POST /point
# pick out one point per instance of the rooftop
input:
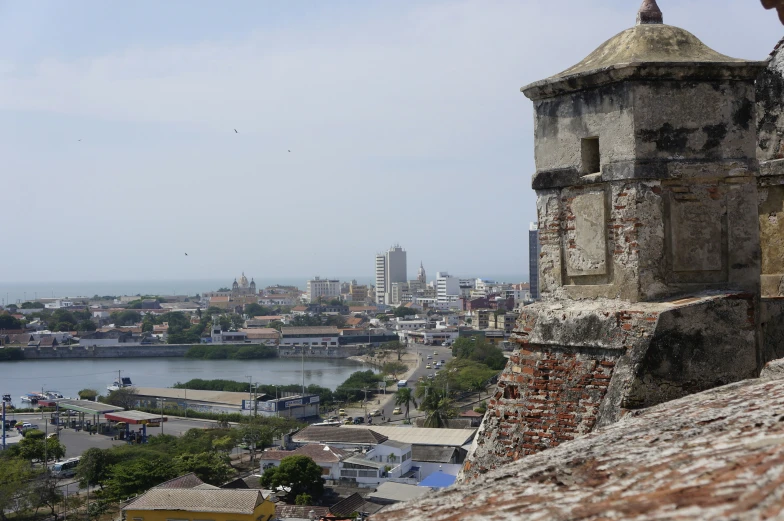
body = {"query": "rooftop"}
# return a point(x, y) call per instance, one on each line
point(309, 330)
point(714, 455)
point(419, 436)
point(396, 492)
point(318, 452)
point(339, 435)
point(228, 501)
point(225, 397)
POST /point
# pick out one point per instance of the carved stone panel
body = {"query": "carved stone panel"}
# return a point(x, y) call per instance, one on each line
point(586, 242)
point(696, 240)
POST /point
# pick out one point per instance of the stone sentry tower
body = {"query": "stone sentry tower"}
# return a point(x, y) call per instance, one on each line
point(649, 272)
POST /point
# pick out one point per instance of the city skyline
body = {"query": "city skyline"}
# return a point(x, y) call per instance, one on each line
point(118, 122)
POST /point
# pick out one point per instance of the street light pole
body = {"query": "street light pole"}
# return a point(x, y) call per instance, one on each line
point(161, 400)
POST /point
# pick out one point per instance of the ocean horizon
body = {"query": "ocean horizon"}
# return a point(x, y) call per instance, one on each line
point(16, 292)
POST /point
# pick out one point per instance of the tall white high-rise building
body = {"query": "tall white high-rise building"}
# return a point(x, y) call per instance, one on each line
point(447, 287)
point(390, 267)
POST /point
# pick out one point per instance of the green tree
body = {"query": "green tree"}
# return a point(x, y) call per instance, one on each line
point(209, 467)
point(15, 477)
point(93, 467)
point(147, 326)
point(256, 436)
point(126, 318)
point(352, 388)
point(394, 368)
point(257, 310)
point(237, 321)
point(46, 493)
point(124, 397)
point(86, 325)
point(403, 311)
point(479, 350)
point(303, 499)
point(9, 322)
point(299, 474)
point(404, 397)
point(32, 305)
point(134, 476)
point(35, 448)
point(88, 394)
point(276, 324)
point(395, 346)
point(437, 406)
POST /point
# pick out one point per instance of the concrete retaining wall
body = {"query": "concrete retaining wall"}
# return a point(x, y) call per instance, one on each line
point(78, 352)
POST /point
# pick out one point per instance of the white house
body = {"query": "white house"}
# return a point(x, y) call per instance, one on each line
point(385, 461)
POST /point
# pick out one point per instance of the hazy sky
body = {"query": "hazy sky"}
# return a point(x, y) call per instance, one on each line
point(404, 120)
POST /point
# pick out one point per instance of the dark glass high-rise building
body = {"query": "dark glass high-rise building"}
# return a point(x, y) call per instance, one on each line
point(533, 259)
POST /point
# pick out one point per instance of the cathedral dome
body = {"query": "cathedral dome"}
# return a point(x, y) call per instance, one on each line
point(243, 281)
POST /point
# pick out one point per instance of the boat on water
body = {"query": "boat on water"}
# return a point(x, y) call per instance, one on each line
point(53, 395)
point(32, 397)
point(121, 382)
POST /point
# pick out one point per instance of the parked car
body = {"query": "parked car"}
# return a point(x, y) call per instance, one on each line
point(443, 362)
point(358, 420)
point(435, 353)
point(342, 412)
point(348, 421)
point(429, 357)
point(397, 410)
point(428, 366)
point(333, 419)
point(376, 412)
point(446, 344)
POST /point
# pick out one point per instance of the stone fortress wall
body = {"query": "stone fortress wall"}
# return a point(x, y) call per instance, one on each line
point(660, 200)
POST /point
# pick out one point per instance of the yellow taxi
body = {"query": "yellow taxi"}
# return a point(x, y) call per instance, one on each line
point(427, 366)
point(342, 412)
point(397, 410)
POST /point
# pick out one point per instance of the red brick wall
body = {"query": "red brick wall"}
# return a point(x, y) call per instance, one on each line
point(544, 397)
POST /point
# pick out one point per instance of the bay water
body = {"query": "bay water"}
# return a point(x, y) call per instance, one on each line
point(70, 376)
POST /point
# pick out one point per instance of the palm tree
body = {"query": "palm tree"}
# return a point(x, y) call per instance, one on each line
point(404, 398)
point(438, 407)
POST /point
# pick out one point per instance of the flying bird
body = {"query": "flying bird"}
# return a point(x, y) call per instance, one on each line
point(289, 150)
point(235, 131)
point(80, 140)
point(186, 254)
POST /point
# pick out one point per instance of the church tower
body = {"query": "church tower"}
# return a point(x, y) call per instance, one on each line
point(421, 275)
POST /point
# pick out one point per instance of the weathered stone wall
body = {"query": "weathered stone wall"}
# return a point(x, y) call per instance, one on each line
point(671, 210)
point(583, 365)
point(770, 152)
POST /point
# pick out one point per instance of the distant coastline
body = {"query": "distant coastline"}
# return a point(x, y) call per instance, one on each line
point(12, 292)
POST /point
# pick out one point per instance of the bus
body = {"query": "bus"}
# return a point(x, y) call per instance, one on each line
point(65, 469)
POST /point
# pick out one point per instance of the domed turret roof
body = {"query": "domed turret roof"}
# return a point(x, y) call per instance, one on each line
point(649, 43)
point(244, 280)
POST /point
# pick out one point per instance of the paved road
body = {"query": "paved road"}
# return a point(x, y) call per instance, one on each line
point(387, 401)
point(76, 442)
